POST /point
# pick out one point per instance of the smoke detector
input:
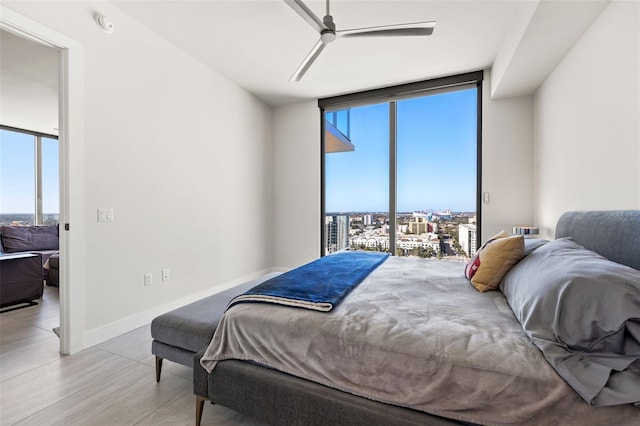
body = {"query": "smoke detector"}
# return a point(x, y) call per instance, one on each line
point(105, 23)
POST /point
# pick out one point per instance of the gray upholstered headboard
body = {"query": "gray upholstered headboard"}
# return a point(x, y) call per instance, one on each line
point(614, 234)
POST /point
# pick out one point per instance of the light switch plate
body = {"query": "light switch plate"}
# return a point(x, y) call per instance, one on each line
point(105, 215)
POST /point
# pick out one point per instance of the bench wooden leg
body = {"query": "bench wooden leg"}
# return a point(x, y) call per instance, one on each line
point(158, 368)
point(200, 400)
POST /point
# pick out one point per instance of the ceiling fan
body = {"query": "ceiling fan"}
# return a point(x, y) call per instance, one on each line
point(328, 33)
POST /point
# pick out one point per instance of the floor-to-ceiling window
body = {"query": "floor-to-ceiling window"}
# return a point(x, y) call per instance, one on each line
point(29, 178)
point(357, 180)
point(403, 175)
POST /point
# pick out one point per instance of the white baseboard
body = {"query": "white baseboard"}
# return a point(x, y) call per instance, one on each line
point(109, 331)
point(280, 269)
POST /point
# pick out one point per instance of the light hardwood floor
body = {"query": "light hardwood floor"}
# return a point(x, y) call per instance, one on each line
point(110, 384)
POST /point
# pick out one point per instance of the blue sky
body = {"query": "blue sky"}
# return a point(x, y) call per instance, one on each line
point(436, 157)
point(436, 160)
point(17, 174)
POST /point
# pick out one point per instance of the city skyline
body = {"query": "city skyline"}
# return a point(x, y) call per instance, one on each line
point(450, 235)
point(407, 212)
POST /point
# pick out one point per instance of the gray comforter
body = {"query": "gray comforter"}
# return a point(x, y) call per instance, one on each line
point(416, 334)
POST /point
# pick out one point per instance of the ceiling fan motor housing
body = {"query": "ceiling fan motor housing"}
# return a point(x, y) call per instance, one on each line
point(329, 34)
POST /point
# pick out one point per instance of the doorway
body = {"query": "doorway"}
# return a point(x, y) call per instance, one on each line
point(71, 176)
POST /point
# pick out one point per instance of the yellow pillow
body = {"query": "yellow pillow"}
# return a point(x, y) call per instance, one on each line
point(474, 264)
point(493, 261)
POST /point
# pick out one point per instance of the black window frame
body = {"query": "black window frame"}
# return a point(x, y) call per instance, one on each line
point(391, 95)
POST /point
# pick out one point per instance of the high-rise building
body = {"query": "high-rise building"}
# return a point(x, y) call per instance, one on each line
point(467, 238)
point(337, 232)
point(367, 219)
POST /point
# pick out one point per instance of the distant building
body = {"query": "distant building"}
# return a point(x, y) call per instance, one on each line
point(467, 238)
point(409, 243)
point(373, 242)
point(421, 225)
point(367, 219)
point(337, 232)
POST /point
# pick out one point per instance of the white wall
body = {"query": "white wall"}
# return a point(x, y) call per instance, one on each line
point(507, 162)
point(296, 183)
point(507, 174)
point(586, 132)
point(181, 154)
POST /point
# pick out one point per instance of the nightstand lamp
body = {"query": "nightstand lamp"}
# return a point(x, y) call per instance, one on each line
point(527, 231)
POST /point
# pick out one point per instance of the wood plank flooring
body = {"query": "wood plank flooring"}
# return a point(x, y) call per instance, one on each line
point(111, 384)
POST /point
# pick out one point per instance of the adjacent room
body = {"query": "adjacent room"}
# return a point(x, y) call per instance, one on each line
point(160, 159)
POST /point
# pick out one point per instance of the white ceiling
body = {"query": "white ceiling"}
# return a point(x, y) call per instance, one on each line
point(260, 43)
point(28, 84)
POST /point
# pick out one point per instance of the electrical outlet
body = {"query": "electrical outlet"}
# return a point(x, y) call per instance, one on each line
point(148, 279)
point(165, 275)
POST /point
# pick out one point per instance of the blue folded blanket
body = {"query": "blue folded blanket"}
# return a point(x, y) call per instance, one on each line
point(319, 285)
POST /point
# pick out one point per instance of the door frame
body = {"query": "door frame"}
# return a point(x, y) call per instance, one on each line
point(70, 137)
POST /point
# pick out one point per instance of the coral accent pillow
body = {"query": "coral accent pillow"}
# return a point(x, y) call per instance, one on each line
point(494, 259)
point(474, 264)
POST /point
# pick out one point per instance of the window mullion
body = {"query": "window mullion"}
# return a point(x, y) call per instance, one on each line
point(38, 180)
point(392, 177)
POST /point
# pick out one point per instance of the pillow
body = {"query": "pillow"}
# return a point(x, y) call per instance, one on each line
point(530, 244)
point(474, 263)
point(583, 312)
point(493, 260)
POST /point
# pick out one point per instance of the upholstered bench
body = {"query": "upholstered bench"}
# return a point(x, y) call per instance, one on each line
point(179, 334)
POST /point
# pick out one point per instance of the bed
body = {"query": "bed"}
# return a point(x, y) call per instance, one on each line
point(415, 343)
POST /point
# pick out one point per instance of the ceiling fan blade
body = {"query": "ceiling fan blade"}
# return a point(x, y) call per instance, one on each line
point(305, 13)
point(401, 30)
point(308, 60)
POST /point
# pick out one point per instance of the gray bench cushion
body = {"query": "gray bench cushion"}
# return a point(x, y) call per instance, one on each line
point(191, 327)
